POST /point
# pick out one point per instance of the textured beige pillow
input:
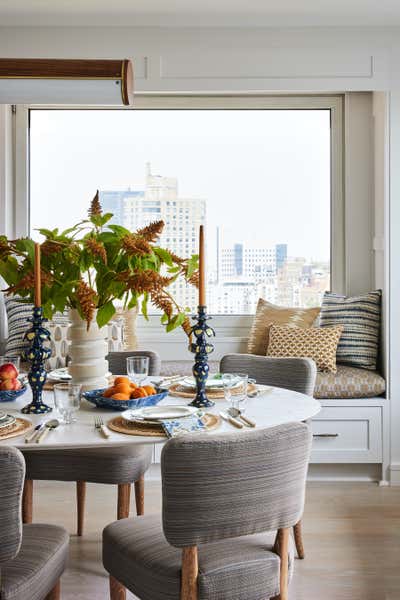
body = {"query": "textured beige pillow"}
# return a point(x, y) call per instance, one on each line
point(318, 343)
point(268, 313)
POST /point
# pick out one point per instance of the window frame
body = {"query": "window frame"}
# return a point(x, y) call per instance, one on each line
point(334, 103)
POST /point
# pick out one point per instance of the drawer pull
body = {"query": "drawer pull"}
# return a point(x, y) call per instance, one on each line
point(326, 435)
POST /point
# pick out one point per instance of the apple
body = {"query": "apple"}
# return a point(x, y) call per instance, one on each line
point(17, 384)
point(8, 371)
point(8, 384)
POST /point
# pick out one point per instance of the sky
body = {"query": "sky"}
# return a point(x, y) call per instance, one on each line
point(265, 174)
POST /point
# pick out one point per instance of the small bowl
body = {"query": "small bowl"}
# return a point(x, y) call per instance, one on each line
point(11, 395)
point(96, 397)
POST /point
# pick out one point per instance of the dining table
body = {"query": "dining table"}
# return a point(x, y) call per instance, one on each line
point(269, 407)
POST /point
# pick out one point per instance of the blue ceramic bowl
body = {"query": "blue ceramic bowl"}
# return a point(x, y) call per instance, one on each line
point(10, 395)
point(96, 398)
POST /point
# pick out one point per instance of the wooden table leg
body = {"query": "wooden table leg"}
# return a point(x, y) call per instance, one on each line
point(124, 500)
point(80, 504)
point(27, 501)
point(117, 590)
point(55, 593)
point(139, 495)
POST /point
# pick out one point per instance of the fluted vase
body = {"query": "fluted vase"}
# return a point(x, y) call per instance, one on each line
point(87, 351)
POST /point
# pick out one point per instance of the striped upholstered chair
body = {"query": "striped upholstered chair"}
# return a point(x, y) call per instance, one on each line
point(117, 466)
point(296, 374)
point(32, 557)
point(222, 494)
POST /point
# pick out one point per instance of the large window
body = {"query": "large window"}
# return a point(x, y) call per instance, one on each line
point(259, 179)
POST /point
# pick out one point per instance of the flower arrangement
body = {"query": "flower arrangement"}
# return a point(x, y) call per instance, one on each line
point(95, 264)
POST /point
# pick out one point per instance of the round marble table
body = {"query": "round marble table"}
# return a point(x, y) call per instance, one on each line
point(273, 406)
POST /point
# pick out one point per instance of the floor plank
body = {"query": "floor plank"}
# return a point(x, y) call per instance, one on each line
point(351, 536)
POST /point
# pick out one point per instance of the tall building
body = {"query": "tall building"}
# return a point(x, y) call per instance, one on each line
point(254, 264)
point(159, 200)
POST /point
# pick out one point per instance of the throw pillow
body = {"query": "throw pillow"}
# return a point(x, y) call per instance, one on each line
point(18, 313)
point(318, 343)
point(360, 317)
point(268, 313)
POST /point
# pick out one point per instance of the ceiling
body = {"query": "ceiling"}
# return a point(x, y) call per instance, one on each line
point(269, 13)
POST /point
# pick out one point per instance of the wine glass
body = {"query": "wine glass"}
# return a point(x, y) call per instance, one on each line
point(137, 368)
point(67, 399)
point(235, 389)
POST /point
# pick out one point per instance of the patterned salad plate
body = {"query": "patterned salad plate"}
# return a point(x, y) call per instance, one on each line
point(157, 413)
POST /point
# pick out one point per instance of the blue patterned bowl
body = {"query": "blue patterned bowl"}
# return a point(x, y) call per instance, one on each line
point(96, 398)
point(10, 395)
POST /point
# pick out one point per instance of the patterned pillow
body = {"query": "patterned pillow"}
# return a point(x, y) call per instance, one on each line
point(361, 319)
point(18, 313)
point(268, 313)
point(314, 342)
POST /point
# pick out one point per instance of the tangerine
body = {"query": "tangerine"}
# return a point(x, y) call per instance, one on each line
point(108, 392)
point(121, 379)
point(123, 388)
point(120, 396)
point(149, 389)
point(139, 393)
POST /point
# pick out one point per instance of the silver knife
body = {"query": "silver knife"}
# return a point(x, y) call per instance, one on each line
point(231, 420)
point(34, 433)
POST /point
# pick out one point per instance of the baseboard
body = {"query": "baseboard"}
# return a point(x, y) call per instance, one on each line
point(394, 471)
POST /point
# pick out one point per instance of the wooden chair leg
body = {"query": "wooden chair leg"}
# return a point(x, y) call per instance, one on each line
point(298, 540)
point(117, 590)
point(124, 500)
point(80, 504)
point(55, 593)
point(139, 495)
point(283, 551)
point(190, 570)
point(27, 501)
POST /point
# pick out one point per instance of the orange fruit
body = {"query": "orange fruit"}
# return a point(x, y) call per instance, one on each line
point(122, 388)
point(120, 396)
point(108, 392)
point(133, 385)
point(149, 389)
point(121, 379)
point(139, 393)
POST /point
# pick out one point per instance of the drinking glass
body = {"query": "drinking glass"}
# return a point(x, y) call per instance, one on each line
point(137, 368)
point(235, 389)
point(14, 360)
point(67, 399)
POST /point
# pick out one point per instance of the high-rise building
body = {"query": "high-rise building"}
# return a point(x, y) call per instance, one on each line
point(255, 264)
point(159, 200)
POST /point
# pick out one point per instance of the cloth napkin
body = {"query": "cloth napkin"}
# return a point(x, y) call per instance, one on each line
point(175, 427)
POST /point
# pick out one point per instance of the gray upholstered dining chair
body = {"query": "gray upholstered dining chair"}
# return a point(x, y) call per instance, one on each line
point(296, 374)
point(222, 495)
point(117, 466)
point(32, 557)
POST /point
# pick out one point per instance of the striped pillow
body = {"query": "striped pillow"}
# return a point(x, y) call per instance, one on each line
point(361, 319)
point(18, 313)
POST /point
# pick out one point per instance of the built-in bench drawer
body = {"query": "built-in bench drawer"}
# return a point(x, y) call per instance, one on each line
point(347, 435)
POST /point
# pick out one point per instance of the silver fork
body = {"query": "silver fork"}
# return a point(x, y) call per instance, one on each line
point(101, 428)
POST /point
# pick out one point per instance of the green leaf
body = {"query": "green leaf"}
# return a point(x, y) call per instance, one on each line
point(119, 230)
point(164, 318)
point(144, 306)
point(192, 264)
point(175, 322)
point(26, 246)
point(164, 255)
point(105, 313)
point(9, 270)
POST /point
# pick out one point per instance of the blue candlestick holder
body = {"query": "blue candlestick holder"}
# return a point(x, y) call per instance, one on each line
point(201, 348)
point(37, 355)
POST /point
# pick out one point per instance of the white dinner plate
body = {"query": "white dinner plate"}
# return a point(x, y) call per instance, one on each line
point(212, 382)
point(155, 413)
point(63, 375)
point(9, 420)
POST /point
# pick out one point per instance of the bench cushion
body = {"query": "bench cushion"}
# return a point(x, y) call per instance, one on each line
point(349, 382)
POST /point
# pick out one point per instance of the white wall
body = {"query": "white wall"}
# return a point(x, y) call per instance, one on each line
point(274, 60)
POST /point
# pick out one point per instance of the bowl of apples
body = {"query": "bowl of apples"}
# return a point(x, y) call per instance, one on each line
point(124, 394)
point(10, 386)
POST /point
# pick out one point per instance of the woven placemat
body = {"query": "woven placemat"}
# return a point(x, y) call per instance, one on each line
point(20, 427)
point(150, 429)
point(181, 391)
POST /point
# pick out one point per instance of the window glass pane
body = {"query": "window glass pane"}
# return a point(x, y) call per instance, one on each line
point(258, 179)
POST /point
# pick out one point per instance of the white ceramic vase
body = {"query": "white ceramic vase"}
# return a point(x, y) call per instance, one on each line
point(87, 350)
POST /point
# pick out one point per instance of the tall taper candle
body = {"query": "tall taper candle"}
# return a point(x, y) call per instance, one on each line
point(202, 269)
point(38, 282)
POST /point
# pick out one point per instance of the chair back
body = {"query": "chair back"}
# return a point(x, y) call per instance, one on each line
point(12, 474)
point(227, 485)
point(296, 374)
point(117, 361)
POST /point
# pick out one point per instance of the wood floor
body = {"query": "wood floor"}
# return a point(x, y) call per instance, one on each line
point(351, 535)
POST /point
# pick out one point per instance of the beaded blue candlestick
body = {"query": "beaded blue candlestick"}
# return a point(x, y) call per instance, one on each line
point(37, 353)
point(201, 348)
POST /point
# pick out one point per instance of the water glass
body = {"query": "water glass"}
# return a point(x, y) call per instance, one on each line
point(14, 360)
point(235, 389)
point(67, 399)
point(137, 368)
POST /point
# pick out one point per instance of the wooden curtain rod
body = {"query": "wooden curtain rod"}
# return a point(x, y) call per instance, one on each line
point(54, 68)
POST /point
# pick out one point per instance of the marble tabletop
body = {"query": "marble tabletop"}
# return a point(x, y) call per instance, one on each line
point(273, 406)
